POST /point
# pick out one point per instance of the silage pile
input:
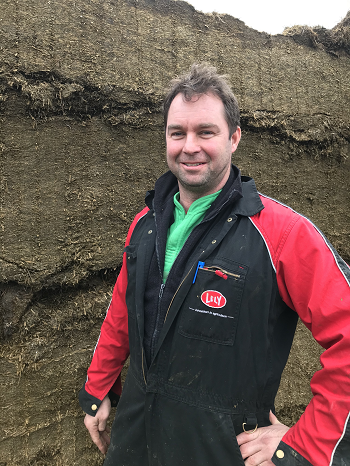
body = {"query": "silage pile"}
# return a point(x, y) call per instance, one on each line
point(81, 140)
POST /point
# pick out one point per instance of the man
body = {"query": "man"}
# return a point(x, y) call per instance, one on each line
point(214, 277)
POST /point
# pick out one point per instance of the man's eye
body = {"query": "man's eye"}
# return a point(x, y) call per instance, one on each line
point(177, 134)
point(206, 133)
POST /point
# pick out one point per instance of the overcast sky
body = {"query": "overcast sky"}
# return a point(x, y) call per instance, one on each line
point(273, 16)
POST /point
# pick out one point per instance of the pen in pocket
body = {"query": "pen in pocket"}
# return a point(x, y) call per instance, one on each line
point(200, 265)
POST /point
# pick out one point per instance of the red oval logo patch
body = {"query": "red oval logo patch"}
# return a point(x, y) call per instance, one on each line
point(213, 298)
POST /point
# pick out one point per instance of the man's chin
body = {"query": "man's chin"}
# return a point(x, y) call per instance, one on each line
point(199, 186)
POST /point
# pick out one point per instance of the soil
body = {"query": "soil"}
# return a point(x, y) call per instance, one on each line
point(81, 141)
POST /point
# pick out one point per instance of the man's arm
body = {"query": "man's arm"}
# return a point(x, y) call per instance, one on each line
point(103, 385)
point(111, 351)
point(314, 281)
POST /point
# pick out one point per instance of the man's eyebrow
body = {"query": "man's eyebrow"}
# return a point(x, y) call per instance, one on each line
point(171, 127)
point(208, 125)
point(200, 126)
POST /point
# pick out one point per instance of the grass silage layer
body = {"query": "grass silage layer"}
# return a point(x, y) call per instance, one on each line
point(81, 140)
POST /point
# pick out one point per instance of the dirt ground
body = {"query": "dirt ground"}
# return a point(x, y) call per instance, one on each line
point(81, 141)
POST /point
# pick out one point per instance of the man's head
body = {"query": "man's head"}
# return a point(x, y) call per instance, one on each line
point(200, 140)
point(204, 79)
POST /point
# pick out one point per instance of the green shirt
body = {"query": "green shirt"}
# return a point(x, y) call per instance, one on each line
point(183, 225)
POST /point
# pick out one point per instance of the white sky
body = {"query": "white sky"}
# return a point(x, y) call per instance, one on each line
point(272, 16)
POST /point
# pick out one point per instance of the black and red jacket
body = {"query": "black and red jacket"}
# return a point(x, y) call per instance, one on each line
point(209, 356)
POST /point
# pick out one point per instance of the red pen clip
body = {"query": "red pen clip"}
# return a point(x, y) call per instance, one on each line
point(221, 274)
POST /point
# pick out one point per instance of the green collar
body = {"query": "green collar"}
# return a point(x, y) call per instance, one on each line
point(183, 225)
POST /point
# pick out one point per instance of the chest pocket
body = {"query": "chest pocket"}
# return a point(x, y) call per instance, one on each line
point(211, 310)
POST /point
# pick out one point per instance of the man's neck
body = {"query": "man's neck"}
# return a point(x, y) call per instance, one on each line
point(186, 198)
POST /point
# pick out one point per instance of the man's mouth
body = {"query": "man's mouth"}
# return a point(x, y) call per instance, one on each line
point(193, 164)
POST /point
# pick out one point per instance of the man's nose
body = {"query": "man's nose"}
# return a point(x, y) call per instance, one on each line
point(191, 145)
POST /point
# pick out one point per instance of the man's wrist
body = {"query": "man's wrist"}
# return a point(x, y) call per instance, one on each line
point(287, 456)
point(89, 403)
point(114, 398)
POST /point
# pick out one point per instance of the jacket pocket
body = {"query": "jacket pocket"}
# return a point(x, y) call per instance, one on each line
point(131, 251)
point(211, 309)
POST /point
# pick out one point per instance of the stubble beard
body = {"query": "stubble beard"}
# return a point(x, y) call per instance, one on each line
point(197, 187)
point(204, 185)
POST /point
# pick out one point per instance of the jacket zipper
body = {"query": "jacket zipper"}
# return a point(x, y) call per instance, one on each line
point(143, 367)
point(160, 294)
point(172, 299)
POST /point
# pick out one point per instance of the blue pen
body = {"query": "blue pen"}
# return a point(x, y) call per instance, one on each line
point(200, 265)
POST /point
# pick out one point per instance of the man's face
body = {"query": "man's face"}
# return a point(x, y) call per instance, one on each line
point(198, 145)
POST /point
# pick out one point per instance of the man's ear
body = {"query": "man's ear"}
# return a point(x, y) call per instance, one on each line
point(235, 138)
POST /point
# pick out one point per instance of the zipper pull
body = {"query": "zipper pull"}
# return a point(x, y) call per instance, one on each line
point(200, 265)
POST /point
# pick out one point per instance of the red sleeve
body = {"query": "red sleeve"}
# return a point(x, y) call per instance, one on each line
point(112, 348)
point(314, 281)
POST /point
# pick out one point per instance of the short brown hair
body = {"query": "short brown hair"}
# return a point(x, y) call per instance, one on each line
point(204, 79)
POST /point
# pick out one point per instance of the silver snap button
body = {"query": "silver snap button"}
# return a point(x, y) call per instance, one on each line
point(150, 231)
point(214, 241)
point(229, 219)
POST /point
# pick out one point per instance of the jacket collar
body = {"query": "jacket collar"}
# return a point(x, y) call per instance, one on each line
point(250, 203)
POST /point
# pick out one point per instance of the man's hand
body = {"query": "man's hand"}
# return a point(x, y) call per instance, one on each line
point(258, 448)
point(97, 425)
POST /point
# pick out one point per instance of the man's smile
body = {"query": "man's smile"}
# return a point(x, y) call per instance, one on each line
point(193, 164)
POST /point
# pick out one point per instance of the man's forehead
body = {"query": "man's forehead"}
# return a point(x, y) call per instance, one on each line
point(210, 104)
